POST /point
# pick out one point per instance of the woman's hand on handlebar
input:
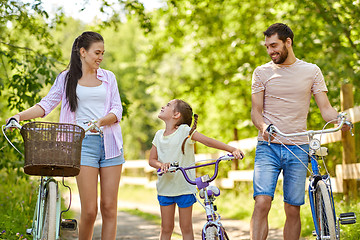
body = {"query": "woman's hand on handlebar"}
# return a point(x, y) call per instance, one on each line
point(16, 117)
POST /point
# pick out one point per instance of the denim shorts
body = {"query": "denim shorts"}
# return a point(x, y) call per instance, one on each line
point(183, 201)
point(270, 160)
point(93, 153)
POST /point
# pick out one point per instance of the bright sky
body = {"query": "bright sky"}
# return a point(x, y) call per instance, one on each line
point(72, 8)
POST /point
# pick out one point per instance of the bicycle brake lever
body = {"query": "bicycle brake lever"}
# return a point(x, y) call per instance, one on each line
point(351, 125)
point(270, 130)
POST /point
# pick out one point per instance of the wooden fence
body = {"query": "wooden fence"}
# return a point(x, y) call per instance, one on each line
point(147, 176)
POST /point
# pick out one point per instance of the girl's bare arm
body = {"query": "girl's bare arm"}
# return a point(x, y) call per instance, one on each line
point(210, 142)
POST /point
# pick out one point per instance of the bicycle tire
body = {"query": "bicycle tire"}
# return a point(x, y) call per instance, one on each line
point(49, 213)
point(224, 235)
point(324, 212)
point(211, 233)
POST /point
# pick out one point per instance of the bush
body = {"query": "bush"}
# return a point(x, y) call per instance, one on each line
point(17, 203)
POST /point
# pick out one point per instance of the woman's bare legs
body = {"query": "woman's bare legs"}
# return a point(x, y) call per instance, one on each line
point(109, 184)
point(87, 182)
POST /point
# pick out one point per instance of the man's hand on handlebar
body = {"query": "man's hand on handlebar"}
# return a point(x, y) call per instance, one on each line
point(347, 123)
point(268, 134)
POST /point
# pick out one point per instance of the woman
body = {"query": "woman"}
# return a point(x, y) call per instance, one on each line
point(88, 92)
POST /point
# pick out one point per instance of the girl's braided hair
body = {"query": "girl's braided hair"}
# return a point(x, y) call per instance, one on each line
point(186, 118)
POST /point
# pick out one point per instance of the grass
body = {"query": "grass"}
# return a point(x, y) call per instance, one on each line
point(18, 195)
point(17, 203)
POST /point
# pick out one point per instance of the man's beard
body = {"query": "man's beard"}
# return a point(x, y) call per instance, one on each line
point(282, 56)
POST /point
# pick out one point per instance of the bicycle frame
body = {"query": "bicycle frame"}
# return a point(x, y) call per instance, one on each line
point(209, 193)
point(316, 177)
point(313, 180)
point(38, 219)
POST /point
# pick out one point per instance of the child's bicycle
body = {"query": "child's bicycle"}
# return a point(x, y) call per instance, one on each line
point(320, 192)
point(213, 229)
point(51, 150)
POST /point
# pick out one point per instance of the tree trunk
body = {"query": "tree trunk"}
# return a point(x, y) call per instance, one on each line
point(348, 141)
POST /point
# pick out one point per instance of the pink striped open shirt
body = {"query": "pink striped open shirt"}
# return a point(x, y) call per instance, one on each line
point(113, 141)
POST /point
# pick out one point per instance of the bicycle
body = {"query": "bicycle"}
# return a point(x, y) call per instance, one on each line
point(320, 192)
point(213, 229)
point(51, 150)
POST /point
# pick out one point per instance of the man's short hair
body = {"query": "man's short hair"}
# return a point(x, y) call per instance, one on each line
point(282, 30)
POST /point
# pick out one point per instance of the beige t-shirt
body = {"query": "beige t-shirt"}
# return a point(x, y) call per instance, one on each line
point(287, 94)
point(168, 151)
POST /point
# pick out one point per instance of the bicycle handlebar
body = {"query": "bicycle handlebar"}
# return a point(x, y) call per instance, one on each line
point(12, 123)
point(92, 126)
point(175, 167)
point(273, 129)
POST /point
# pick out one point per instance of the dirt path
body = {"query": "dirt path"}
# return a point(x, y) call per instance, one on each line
point(134, 227)
point(137, 228)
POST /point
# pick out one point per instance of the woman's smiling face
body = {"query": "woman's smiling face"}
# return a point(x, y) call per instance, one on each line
point(94, 56)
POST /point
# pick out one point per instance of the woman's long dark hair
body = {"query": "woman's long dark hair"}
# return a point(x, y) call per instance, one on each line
point(75, 68)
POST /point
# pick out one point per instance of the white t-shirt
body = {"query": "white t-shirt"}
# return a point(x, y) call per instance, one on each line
point(91, 104)
point(168, 151)
point(287, 94)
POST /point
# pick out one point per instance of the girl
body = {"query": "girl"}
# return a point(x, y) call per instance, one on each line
point(176, 143)
point(88, 92)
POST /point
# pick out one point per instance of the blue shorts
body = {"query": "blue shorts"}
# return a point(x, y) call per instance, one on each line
point(93, 153)
point(183, 201)
point(270, 160)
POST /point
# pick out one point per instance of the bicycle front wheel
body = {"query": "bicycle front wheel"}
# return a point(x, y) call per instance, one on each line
point(211, 233)
point(49, 213)
point(324, 212)
point(224, 235)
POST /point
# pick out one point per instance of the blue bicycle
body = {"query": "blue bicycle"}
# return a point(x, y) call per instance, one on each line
point(327, 225)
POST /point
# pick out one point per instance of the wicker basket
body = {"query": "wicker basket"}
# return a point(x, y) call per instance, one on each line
point(52, 149)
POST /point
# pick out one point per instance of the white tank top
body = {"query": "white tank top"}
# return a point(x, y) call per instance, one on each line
point(91, 104)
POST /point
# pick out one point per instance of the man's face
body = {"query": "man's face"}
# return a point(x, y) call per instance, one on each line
point(276, 49)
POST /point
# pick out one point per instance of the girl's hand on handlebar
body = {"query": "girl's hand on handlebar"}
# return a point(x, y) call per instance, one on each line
point(238, 154)
point(164, 167)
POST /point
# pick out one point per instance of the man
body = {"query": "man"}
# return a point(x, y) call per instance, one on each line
point(281, 93)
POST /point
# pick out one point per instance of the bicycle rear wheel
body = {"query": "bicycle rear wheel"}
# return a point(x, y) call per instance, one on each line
point(49, 213)
point(324, 212)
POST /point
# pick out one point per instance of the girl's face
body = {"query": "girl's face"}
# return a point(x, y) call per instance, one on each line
point(93, 57)
point(168, 111)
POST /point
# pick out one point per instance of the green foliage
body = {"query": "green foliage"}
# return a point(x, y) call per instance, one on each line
point(201, 51)
point(205, 52)
point(17, 203)
point(27, 50)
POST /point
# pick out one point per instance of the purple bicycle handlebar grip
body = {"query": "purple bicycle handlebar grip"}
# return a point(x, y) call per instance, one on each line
point(159, 172)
